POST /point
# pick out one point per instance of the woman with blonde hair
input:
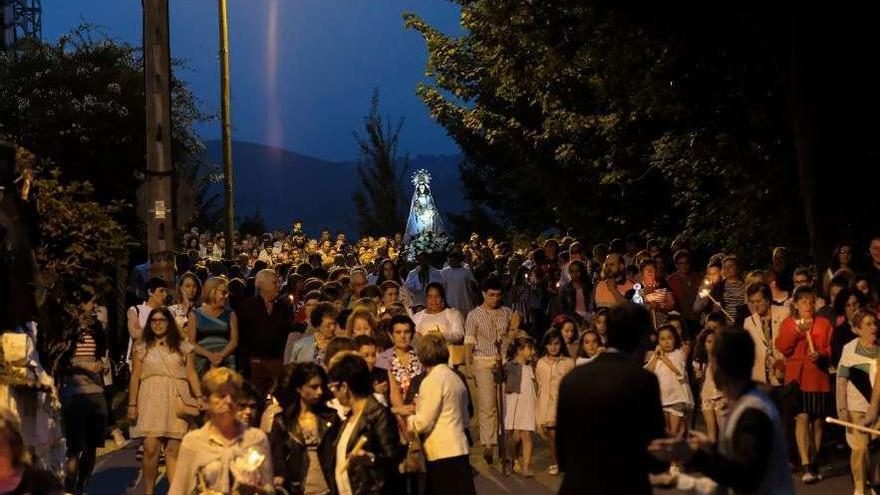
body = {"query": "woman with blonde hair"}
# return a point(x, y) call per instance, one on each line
point(214, 330)
point(360, 322)
point(224, 453)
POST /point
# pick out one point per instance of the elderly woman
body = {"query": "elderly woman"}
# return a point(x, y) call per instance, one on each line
point(214, 330)
point(440, 418)
point(401, 361)
point(223, 453)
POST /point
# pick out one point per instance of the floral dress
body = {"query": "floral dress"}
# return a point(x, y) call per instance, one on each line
point(404, 374)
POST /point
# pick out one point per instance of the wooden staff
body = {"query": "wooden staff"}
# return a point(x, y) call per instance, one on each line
point(863, 429)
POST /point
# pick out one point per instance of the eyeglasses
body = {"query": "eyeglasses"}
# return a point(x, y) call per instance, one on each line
point(154, 320)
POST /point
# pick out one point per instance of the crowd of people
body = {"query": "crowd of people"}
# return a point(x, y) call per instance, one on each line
point(317, 366)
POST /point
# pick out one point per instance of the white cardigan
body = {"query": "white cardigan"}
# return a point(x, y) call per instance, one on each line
point(441, 414)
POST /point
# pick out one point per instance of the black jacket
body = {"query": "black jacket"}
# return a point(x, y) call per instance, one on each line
point(381, 476)
point(609, 411)
point(289, 452)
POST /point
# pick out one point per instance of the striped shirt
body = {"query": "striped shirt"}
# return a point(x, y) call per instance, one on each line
point(85, 347)
point(734, 296)
point(484, 328)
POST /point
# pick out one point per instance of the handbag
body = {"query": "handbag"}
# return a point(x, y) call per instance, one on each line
point(415, 460)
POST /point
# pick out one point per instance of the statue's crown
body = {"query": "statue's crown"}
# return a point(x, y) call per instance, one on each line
point(421, 177)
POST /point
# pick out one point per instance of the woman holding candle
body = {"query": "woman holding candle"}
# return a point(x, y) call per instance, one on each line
point(805, 340)
point(224, 453)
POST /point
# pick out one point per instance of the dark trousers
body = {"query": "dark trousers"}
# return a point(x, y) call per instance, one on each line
point(264, 372)
point(451, 476)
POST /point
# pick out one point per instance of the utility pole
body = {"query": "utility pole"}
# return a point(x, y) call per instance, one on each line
point(160, 170)
point(227, 129)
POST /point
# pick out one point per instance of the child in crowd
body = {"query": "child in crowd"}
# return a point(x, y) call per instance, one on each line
point(590, 347)
point(668, 363)
point(567, 327)
point(553, 365)
point(519, 402)
point(598, 324)
point(712, 402)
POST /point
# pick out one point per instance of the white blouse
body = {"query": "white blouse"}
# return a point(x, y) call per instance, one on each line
point(449, 322)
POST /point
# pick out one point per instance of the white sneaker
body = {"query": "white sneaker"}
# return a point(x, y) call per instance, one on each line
point(809, 478)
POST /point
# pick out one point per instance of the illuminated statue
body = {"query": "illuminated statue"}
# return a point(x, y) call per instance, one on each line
point(423, 214)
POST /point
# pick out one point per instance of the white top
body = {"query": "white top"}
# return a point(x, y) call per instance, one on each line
point(856, 357)
point(458, 283)
point(442, 414)
point(343, 486)
point(449, 322)
point(764, 348)
point(674, 389)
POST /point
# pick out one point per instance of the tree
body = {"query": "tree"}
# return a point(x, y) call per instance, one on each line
point(379, 201)
point(253, 224)
point(79, 102)
point(629, 117)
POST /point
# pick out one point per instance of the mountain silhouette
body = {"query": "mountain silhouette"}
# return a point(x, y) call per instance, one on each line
point(283, 185)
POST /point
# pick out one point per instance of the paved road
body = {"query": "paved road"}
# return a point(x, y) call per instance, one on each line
point(117, 473)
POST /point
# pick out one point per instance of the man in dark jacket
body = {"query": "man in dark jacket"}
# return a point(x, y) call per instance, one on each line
point(609, 411)
point(264, 322)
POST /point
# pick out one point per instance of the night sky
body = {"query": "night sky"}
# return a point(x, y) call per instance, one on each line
point(303, 82)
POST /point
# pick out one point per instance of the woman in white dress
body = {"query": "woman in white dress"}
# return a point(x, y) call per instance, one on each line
point(160, 398)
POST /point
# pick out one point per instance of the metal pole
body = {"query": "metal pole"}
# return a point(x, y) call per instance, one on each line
point(227, 128)
point(160, 170)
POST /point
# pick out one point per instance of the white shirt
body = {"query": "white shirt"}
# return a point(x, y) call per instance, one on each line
point(850, 359)
point(343, 486)
point(763, 349)
point(449, 322)
point(674, 389)
point(441, 414)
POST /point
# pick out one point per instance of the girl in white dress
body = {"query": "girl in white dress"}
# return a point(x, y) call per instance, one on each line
point(668, 363)
point(520, 399)
point(553, 365)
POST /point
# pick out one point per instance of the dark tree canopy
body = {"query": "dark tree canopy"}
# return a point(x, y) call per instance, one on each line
point(79, 102)
point(610, 118)
point(379, 200)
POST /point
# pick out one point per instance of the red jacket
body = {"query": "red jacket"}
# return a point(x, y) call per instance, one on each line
point(811, 376)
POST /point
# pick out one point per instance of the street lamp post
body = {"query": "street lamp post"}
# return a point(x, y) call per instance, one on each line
point(226, 129)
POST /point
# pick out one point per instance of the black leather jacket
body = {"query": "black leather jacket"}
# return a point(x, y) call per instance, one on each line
point(380, 476)
point(290, 458)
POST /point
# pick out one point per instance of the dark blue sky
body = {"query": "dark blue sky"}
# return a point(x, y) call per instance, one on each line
point(306, 87)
